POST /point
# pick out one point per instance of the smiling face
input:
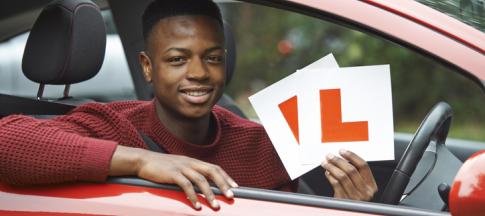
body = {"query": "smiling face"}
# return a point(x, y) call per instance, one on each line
point(184, 62)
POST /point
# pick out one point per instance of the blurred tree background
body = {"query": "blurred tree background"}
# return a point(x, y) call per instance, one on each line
point(273, 43)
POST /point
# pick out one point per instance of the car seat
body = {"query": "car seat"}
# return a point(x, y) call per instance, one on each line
point(65, 46)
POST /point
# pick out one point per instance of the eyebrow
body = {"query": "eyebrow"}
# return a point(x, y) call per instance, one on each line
point(177, 49)
point(214, 49)
point(187, 51)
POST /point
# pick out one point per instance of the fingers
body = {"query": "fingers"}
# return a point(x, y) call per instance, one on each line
point(187, 187)
point(221, 181)
point(229, 179)
point(203, 185)
point(361, 165)
point(200, 172)
point(339, 191)
point(187, 172)
point(220, 178)
point(354, 176)
point(343, 179)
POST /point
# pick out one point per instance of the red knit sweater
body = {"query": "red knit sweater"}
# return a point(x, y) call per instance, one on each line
point(80, 145)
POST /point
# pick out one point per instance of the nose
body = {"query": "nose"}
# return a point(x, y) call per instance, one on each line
point(197, 70)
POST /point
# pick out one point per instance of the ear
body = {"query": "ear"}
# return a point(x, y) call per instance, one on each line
point(146, 66)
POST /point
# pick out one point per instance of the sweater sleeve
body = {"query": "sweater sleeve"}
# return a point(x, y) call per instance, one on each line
point(78, 146)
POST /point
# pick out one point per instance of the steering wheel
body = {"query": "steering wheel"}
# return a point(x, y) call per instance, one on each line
point(434, 127)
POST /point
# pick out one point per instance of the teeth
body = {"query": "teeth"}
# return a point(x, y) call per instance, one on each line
point(196, 93)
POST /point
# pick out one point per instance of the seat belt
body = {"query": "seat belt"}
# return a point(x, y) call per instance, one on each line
point(152, 146)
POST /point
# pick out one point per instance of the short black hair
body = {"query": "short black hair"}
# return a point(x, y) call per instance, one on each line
point(160, 9)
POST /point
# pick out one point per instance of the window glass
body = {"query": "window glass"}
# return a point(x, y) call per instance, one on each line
point(272, 43)
point(113, 82)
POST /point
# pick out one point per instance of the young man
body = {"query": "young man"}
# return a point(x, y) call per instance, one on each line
point(184, 62)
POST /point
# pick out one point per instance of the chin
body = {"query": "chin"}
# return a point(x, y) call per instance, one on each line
point(197, 112)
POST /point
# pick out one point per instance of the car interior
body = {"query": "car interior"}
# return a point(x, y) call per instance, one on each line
point(76, 42)
point(418, 180)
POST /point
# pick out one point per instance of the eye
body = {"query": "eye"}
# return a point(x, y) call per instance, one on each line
point(177, 60)
point(215, 59)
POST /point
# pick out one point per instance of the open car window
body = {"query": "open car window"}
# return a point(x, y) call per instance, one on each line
point(273, 43)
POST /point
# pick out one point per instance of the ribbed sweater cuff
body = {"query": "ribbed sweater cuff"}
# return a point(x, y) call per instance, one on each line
point(97, 158)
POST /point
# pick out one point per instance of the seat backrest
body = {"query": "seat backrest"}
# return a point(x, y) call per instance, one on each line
point(65, 46)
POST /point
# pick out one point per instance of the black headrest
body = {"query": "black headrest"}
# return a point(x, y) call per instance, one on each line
point(66, 44)
point(230, 45)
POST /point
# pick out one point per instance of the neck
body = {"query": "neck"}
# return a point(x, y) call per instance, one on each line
point(192, 130)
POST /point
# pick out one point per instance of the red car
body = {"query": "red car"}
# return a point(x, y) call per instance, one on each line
point(274, 38)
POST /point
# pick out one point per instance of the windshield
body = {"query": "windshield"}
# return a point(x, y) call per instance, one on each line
point(471, 12)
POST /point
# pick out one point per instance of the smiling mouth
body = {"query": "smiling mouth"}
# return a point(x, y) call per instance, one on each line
point(197, 95)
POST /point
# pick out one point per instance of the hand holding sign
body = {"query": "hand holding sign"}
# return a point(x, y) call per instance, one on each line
point(350, 178)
